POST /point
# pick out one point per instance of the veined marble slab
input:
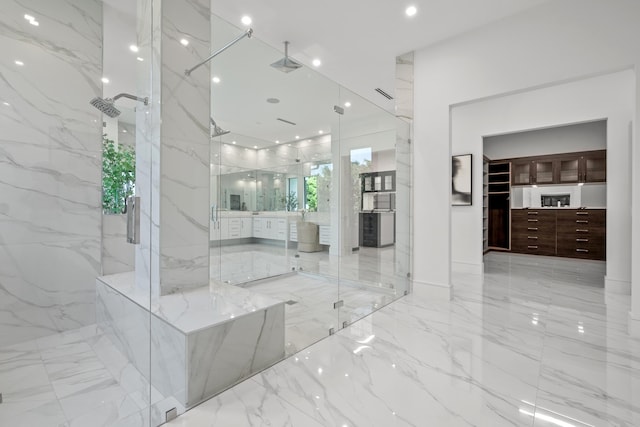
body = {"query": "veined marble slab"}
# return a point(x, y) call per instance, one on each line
point(202, 340)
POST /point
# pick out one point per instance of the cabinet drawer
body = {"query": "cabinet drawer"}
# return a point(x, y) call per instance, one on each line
point(532, 244)
point(533, 248)
point(593, 249)
point(581, 219)
point(525, 221)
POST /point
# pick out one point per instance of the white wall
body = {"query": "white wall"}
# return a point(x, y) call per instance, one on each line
point(553, 43)
point(609, 96)
point(555, 140)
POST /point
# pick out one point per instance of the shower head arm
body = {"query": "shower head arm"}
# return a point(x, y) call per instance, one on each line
point(247, 33)
point(135, 98)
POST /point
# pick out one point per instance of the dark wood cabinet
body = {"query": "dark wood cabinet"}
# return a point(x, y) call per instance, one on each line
point(594, 166)
point(582, 233)
point(574, 233)
point(569, 168)
point(533, 231)
point(521, 172)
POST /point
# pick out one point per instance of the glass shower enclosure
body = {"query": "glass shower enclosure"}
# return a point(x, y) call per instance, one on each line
point(242, 242)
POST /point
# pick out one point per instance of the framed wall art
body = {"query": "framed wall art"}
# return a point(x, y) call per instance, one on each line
point(461, 190)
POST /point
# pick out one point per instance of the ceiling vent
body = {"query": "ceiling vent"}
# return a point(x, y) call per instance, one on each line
point(383, 93)
point(286, 121)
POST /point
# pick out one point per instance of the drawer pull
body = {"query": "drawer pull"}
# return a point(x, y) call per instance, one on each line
point(582, 250)
point(532, 220)
point(582, 240)
point(582, 213)
point(532, 213)
point(532, 237)
point(582, 221)
point(532, 228)
point(532, 247)
point(582, 230)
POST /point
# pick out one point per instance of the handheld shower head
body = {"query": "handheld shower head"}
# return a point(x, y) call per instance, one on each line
point(106, 104)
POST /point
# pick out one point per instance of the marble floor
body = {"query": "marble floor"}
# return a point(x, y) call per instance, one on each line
point(376, 267)
point(79, 378)
point(534, 342)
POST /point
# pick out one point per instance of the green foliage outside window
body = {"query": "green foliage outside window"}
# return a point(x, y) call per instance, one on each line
point(311, 193)
point(118, 175)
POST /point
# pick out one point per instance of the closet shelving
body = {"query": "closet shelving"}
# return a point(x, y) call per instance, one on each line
point(499, 205)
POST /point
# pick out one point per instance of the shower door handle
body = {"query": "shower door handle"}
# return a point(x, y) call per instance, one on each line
point(133, 220)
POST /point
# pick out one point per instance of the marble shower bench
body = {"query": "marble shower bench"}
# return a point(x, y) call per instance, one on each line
point(202, 340)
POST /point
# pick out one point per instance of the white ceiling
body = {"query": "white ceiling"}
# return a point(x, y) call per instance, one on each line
point(357, 41)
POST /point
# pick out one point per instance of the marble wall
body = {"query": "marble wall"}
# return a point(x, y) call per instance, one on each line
point(50, 166)
point(174, 168)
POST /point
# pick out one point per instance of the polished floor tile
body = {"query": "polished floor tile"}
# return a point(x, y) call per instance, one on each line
point(536, 341)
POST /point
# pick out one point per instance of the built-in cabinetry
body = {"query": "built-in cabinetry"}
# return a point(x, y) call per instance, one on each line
point(567, 168)
point(574, 233)
point(533, 231)
point(485, 205)
point(270, 228)
point(324, 233)
point(499, 208)
point(581, 233)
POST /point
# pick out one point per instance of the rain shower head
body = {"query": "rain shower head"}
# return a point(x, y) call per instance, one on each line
point(286, 64)
point(217, 130)
point(106, 104)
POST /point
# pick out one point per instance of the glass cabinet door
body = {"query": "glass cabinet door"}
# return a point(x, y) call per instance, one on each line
point(521, 172)
point(568, 171)
point(543, 172)
point(595, 167)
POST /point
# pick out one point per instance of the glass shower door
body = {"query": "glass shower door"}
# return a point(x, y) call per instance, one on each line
point(65, 171)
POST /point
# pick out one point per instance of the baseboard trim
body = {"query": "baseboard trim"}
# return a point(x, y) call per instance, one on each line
point(436, 291)
point(622, 287)
point(465, 267)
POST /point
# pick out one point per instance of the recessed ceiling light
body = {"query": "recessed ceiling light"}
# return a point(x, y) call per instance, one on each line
point(347, 104)
point(255, 146)
point(124, 131)
point(297, 136)
point(140, 59)
point(31, 20)
point(246, 20)
point(18, 62)
point(105, 80)
point(320, 132)
point(233, 142)
point(216, 79)
point(411, 10)
point(133, 48)
point(316, 62)
point(184, 42)
point(6, 103)
point(277, 142)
